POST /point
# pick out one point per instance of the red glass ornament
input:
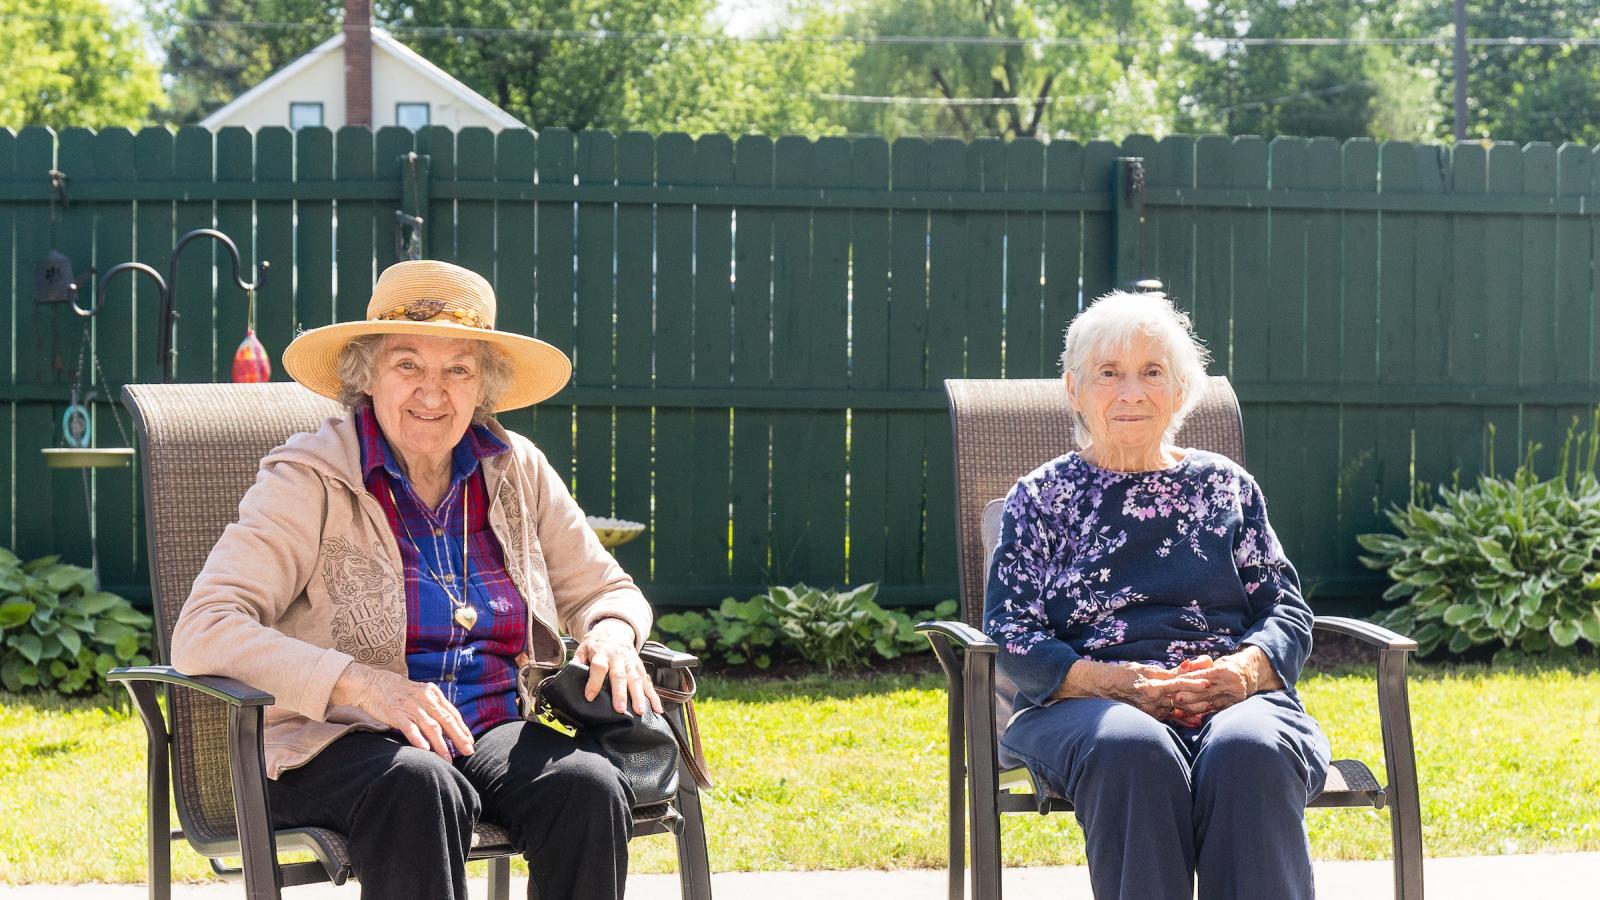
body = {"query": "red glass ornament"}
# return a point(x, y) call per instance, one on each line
point(250, 362)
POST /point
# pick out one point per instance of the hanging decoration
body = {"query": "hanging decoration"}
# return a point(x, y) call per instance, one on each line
point(77, 425)
point(251, 365)
point(52, 276)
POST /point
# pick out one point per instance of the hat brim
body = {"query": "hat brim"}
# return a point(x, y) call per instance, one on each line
point(538, 369)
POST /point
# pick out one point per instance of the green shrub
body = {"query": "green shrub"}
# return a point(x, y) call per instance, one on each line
point(822, 627)
point(1514, 561)
point(60, 632)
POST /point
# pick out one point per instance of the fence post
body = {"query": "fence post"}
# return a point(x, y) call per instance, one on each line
point(1127, 222)
point(410, 227)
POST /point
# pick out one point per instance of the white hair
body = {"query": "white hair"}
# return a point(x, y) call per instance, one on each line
point(358, 363)
point(1109, 324)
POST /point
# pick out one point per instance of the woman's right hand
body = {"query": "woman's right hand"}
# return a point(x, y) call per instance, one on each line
point(419, 711)
point(1151, 689)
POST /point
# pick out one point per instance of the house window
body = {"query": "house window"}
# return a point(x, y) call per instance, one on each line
point(305, 115)
point(411, 115)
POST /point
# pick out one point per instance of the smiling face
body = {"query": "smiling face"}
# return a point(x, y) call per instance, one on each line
point(1127, 398)
point(424, 391)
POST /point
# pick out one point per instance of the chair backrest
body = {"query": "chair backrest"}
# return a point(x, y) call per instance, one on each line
point(200, 446)
point(1006, 428)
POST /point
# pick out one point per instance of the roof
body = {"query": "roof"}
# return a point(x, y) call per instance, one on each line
point(381, 40)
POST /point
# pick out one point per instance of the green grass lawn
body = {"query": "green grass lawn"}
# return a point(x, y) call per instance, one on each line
point(845, 772)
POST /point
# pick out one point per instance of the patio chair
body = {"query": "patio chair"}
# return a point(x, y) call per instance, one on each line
point(201, 445)
point(1005, 429)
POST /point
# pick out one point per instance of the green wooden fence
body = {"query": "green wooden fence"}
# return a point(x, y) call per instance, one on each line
point(760, 327)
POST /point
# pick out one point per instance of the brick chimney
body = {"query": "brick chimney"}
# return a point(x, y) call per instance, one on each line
point(358, 62)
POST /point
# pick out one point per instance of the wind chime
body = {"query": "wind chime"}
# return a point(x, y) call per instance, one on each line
point(251, 365)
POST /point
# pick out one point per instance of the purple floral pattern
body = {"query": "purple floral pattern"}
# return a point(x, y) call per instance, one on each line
point(1153, 567)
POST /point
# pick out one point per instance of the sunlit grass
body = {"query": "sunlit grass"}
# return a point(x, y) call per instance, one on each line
point(849, 772)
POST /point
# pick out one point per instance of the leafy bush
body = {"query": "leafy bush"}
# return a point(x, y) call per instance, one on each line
point(1511, 561)
point(822, 627)
point(60, 631)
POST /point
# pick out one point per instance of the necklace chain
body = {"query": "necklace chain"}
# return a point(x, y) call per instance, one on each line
point(465, 614)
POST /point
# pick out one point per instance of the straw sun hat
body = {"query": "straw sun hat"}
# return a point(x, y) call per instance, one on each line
point(436, 299)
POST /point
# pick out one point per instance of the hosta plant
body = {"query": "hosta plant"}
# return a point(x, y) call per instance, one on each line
point(59, 632)
point(822, 627)
point(1514, 562)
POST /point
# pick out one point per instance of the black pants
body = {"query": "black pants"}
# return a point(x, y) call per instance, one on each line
point(408, 814)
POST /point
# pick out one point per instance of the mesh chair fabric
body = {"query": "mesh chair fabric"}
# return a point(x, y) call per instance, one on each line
point(201, 446)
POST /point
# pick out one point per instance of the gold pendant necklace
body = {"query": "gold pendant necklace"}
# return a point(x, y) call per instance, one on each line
point(464, 614)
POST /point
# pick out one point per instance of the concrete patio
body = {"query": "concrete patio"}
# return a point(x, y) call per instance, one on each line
point(1557, 876)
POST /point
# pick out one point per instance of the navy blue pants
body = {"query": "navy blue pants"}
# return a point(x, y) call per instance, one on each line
point(1160, 805)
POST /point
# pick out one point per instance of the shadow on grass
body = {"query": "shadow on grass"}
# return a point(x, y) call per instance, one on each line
point(46, 701)
point(816, 686)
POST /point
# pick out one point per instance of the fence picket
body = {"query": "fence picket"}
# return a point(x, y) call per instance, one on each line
point(555, 290)
point(749, 499)
point(594, 356)
point(636, 297)
point(710, 543)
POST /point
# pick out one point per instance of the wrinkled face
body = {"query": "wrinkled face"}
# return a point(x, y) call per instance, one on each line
point(424, 390)
point(1128, 396)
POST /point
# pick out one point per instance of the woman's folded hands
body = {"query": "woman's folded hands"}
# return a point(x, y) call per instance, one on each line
point(1185, 694)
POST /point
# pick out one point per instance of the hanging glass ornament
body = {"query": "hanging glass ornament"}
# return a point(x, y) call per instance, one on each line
point(251, 365)
point(75, 428)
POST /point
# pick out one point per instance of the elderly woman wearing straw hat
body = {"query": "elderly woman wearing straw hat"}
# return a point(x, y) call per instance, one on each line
point(387, 577)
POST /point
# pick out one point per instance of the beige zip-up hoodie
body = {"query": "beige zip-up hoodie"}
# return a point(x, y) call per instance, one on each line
point(309, 581)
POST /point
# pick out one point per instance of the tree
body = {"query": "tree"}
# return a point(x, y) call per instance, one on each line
point(659, 64)
point(74, 62)
point(1338, 91)
point(1532, 92)
point(774, 85)
point(1068, 68)
point(218, 49)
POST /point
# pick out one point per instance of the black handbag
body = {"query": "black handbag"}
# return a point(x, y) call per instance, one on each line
point(645, 749)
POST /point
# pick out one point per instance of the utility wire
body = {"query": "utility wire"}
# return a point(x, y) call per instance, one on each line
point(874, 39)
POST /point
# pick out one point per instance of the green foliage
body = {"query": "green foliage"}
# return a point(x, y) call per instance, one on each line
point(738, 87)
point(74, 63)
point(215, 52)
point(1511, 561)
point(59, 631)
point(822, 627)
point(1122, 80)
point(537, 59)
point(1532, 92)
point(1341, 91)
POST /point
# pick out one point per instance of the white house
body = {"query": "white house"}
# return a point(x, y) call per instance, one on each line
point(378, 82)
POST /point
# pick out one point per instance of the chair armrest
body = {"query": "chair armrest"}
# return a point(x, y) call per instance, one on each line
point(233, 692)
point(960, 634)
point(1366, 632)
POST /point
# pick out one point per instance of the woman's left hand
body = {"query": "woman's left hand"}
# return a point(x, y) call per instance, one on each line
point(1233, 678)
point(609, 652)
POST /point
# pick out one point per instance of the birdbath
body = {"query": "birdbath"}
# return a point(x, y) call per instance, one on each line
point(614, 532)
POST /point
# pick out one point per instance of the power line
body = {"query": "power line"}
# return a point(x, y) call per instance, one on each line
point(945, 101)
point(599, 35)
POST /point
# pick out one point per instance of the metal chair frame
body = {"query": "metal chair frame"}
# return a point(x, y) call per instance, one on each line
point(242, 707)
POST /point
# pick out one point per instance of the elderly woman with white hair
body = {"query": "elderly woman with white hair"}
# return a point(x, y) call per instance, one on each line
point(1154, 629)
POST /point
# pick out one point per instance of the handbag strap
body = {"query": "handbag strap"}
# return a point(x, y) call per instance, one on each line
point(689, 749)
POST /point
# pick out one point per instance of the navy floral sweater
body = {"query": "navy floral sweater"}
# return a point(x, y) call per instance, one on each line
point(1153, 567)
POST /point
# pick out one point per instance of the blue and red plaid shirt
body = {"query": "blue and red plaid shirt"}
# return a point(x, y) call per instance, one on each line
point(476, 670)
